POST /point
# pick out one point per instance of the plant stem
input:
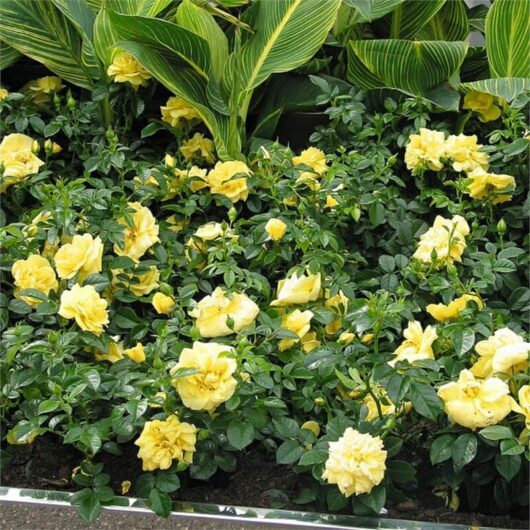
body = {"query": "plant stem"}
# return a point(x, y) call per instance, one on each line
point(462, 120)
point(106, 111)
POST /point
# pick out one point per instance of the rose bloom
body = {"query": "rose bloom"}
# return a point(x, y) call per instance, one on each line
point(126, 69)
point(198, 147)
point(313, 158)
point(113, 354)
point(213, 311)
point(309, 341)
point(418, 344)
point(425, 150)
point(452, 310)
point(213, 384)
point(83, 255)
point(339, 305)
point(275, 228)
point(465, 153)
point(208, 232)
point(356, 463)
point(331, 202)
point(138, 284)
point(3, 94)
point(163, 304)
point(136, 353)
point(297, 290)
point(39, 90)
point(176, 225)
point(161, 442)
point(483, 104)
point(141, 236)
point(473, 403)
point(504, 352)
point(483, 183)
point(387, 407)
point(298, 322)
point(86, 306)
point(178, 112)
point(523, 407)
point(447, 237)
point(346, 337)
point(17, 158)
point(220, 180)
point(35, 272)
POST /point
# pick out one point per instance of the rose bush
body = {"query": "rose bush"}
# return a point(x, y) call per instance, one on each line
point(366, 297)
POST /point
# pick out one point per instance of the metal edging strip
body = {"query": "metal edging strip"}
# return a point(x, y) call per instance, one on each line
point(233, 514)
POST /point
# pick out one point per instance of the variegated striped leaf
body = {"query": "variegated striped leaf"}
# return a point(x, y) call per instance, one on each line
point(373, 9)
point(507, 88)
point(507, 34)
point(40, 31)
point(145, 8)
point(449, 24)
point(8, 55)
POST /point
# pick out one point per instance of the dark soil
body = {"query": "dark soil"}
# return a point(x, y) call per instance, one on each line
point(258, 481)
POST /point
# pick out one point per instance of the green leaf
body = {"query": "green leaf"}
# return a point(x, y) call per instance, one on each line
point(425, 400)
point(511, 447)
point(507, 26)
point(411, 16)
point(373, 9)
point(496, 432)
point(449, 24)
point(316, 456)
point(47, 406)
point(414, 67)
point(8, 55)
point(464, 450)
point(400, 471)
point(508, 465)
point(167, 481)
point(441, 449)
point(289, 452)
point(40, 31)
point(375, 500)
point(144, 485)
point(160, 503)
point(507, 88)
point(240, 434)
point(89, 508)
point(463, 340)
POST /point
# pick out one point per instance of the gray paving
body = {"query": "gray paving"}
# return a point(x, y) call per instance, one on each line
point(20, 517)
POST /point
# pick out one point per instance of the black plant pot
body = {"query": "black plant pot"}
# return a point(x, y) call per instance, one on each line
point(295, 128)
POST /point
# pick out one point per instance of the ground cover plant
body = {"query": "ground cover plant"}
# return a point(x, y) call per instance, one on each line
point(357, 309)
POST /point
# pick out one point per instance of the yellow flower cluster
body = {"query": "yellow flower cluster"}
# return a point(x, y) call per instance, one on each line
point(465, 153)
point(213, 383)
point(425, 151)
point(139, 284)
point(40, 91)
point(229, 179)
point(178, 112)
point(488, 185)
point(316, 160)
point(483, 104)
point(198, 147)
point(452, 310)
point(17, 159)
point(356, 463)
point(126, 69)
point(161, 442)
point(297, 290)
point(213, 311)
point(298, 322)
point(83, 255)
point(418, 344)
point(35, 272)
point(446, 239)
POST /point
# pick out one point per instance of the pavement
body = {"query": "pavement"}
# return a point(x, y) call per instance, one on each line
point(22, 517)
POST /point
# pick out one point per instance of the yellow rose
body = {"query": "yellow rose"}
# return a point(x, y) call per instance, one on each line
point(213, 311)
point(523, 407)
point(475, 404)
point(136, 353)
point(163, 304)
point(483, 184)
point(297, 290)
point(387, 407)
point(418, 344)
point(3, 94)
point(298, 322)
point(178, 112)
point(82, 255)
point(331, 202)
point(356, 463)
point(425, 150)
point(213, 384)
point(18, 159)
point(465, 153)
point(35, 272)
point(452, 310)
point(138, 284)
point(309, 341)
point(346, 337)
point(208, 232)
point(40, 90)
point(221, 180)
point(126, 69)
point(141, 236)
point(483, 104)
point(195, 178)
point(198, 147)
point(316, 160)
point(447, 237)
point(113, 354)
point(504, 352)
point(176, 225)
point(161, 442)
point(312, 426)
point(275, 228)
point(86, 306)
